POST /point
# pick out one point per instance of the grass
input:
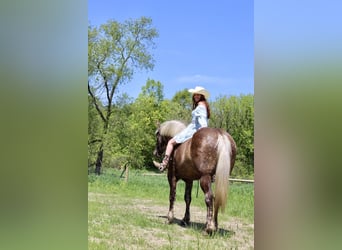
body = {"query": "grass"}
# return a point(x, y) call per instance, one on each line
point(131, 215)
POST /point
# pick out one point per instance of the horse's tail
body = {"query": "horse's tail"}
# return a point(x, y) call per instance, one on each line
point(224, 151)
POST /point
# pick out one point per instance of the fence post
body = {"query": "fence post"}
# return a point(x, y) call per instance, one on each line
point(125, 171)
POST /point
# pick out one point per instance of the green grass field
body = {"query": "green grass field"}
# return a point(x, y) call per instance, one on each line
point(132, 215)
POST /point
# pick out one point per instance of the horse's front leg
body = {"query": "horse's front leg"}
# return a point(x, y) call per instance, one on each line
point(205, 182)
point(187, 199)
point(173, 185)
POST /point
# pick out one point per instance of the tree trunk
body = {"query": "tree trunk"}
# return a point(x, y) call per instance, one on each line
point(100, 152)
point(99, 160)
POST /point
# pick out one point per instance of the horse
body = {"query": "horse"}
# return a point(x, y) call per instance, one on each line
point(208, 156)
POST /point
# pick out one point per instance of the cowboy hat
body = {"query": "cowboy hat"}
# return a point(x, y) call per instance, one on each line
point(201, 91)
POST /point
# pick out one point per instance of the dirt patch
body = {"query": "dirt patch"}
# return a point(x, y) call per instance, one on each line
point(239, 231)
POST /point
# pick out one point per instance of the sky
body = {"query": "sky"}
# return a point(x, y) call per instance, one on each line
point(200, 43)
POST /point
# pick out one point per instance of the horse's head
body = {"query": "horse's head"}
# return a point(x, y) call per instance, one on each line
point(161, 142)
point(164, 133)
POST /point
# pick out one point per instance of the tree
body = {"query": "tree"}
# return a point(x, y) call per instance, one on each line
point(140, 125)
point(115, 51)
point(154, 90)
point(184, 98)
point(94, 132)
point(182, 103)
point(236, 115)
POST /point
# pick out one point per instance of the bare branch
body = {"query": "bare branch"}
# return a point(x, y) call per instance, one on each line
point(96, 104)
point(94, 140)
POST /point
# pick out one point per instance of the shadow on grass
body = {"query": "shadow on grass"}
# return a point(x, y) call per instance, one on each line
point(200, 228)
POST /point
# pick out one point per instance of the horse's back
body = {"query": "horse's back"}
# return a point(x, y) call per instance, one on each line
point(198, 155)
point(204, 149)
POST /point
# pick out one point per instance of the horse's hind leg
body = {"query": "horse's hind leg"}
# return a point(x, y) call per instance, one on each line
point(205, 182)
point(187, 199)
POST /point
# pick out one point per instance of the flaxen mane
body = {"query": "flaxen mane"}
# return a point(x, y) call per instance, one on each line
point(171, 128)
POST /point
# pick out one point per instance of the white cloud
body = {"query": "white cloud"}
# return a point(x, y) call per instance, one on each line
point(202, 79)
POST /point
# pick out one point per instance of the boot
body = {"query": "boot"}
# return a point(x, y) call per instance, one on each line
point(164, 163)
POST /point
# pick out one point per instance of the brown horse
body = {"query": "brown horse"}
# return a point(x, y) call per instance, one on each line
point(210, 152)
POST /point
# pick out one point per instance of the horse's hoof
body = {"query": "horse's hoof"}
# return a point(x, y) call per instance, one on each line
point(185, 223)
point(168, 221)
point(208, 232)
point(204, 233)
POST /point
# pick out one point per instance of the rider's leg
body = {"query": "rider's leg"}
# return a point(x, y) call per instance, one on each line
point(168, 152)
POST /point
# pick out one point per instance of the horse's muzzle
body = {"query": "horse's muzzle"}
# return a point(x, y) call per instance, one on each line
point(156, 153)
point(156, 164)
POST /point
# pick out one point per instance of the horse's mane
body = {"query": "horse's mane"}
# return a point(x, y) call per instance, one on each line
point(171, 128)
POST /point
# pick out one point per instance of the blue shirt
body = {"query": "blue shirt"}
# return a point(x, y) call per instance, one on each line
point(199, 120)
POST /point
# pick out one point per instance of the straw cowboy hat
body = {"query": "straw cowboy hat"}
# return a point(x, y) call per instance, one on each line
point(200, 90)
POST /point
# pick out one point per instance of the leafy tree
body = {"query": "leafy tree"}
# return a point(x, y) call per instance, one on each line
point(118, 135)
point(182, 102)
point(115, 51)
point(184, 98)
point(154, 90)
point(236, 115)
point(141, 124)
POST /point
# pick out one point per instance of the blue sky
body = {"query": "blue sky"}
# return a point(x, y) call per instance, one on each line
point(200, 43)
